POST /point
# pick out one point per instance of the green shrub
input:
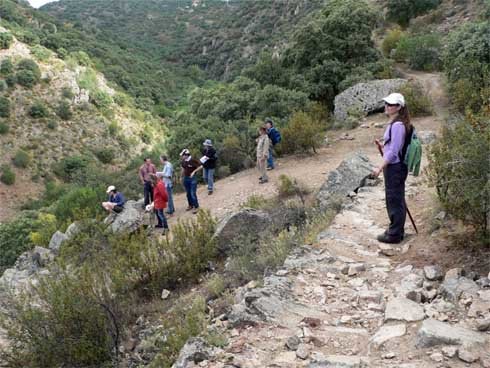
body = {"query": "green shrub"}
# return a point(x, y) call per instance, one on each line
point(401, 11)
point(6, 67)
point(459, 164)
point(421, 52)
point(255, 201)
point(14, 239)
point(68, 167)
point(417, 99)
point(51, 124)
point(467, 66)
point(105, 155)
point(41, 53)
point(46, 225)
point(8, 176)
point(303, 133)
point(101, 99)
point(66, 92)
point(11, 80)
point(64, 110)
point(78, 327)
point(390, 42)
point(38, 110)
point(6, 40)
point(3, 85)
point(78, 203)
point(288, 187)
point(4, 107)
point(26, 78)
point(21, 159)
point(4, 128)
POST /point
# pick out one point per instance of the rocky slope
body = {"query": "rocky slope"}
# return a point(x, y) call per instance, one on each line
point(345, 302)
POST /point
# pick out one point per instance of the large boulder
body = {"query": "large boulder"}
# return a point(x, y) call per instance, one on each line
point(130, 219)
point(433, 333)
point(351, 174)
point(246, 222)
point(366, 97)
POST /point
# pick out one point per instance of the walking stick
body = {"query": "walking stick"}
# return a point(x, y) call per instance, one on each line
point(380, 149)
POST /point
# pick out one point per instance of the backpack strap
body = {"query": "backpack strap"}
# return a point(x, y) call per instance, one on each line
point(406, 143)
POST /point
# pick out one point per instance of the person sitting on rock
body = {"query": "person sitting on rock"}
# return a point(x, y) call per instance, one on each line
point(115, 201)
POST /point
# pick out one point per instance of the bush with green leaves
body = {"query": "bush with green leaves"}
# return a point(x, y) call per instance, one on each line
point(421, 52)
point(46, 225)
point(14, 239)
point(4, 107)
point(28, 73)
point(8, 176)
point(302, 134)
point(78, 203)
point(458, 169)
point(105, 155)
point(38, 110)
point(6, 40)
point(101, 99)
point(63, 110)
point(401, 11)
point(78, 327)
point(417, 99)
point(69, 167)
point(41, 53)
point(467, 66)
point(6, 67)
point(21, 159)
point(4, 128)
point(390, 42)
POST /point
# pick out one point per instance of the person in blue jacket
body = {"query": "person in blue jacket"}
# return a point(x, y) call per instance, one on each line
point(115, 201)
point(275, 138)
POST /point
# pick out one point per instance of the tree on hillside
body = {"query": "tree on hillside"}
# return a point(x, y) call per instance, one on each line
point(326, 49)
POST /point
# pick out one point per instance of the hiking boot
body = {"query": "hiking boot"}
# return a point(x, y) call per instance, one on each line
point(195, 210)
point(390, 239)
point(401, 236)
point(270, 168)
point(262, 181)
point(210, 192)
point(189, 208)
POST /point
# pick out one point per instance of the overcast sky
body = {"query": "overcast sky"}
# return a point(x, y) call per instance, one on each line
point(38, 3)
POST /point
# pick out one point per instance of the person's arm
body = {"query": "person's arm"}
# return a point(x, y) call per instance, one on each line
point(142, 178)
point(119, 200)
point(199, 168)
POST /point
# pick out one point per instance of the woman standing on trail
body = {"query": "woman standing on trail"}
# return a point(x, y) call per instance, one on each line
point(262, 154)
point(160, 199)
point(395, 171)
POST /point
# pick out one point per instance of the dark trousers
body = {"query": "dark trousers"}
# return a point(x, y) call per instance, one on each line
point(190, 185)
point(162, 221)
point(395, 176)
point(148, 190)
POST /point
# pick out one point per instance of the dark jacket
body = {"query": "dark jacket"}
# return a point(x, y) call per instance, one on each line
point(210, 153)
point(118, 199)
point(274, 135)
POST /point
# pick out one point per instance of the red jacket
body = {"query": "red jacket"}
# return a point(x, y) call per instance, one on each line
point(160, 197)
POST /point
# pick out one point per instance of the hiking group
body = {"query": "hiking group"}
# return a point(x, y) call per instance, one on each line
point(401, 151)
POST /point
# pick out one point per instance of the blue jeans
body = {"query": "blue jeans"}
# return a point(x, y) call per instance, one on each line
point(270, 159)
point(190, 185)
point(171, 208)
point(162, 221)
point(209, 178)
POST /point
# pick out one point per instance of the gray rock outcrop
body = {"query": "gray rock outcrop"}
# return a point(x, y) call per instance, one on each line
point(130, 219)
point(348, 177)
point(194, 351)
point(365, 97)
point(433, 333)
point(246, 222)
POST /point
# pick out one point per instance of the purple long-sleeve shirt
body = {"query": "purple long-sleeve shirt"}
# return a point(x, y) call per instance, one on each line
point(395, 145)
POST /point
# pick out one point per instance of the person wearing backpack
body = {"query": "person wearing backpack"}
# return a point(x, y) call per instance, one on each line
point(209, 164)
point(275, 138)
point(395, 170)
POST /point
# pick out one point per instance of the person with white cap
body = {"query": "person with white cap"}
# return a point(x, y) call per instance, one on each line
point(190, 167)
point(115, 201)
point(395, 171)
point(209, 164)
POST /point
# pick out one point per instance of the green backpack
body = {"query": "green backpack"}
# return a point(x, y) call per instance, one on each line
point(411, 153)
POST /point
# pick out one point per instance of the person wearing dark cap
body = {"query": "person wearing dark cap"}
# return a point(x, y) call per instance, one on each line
point(190, 167)
point(275, 138)
point(209, 164)
point(115, 201)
